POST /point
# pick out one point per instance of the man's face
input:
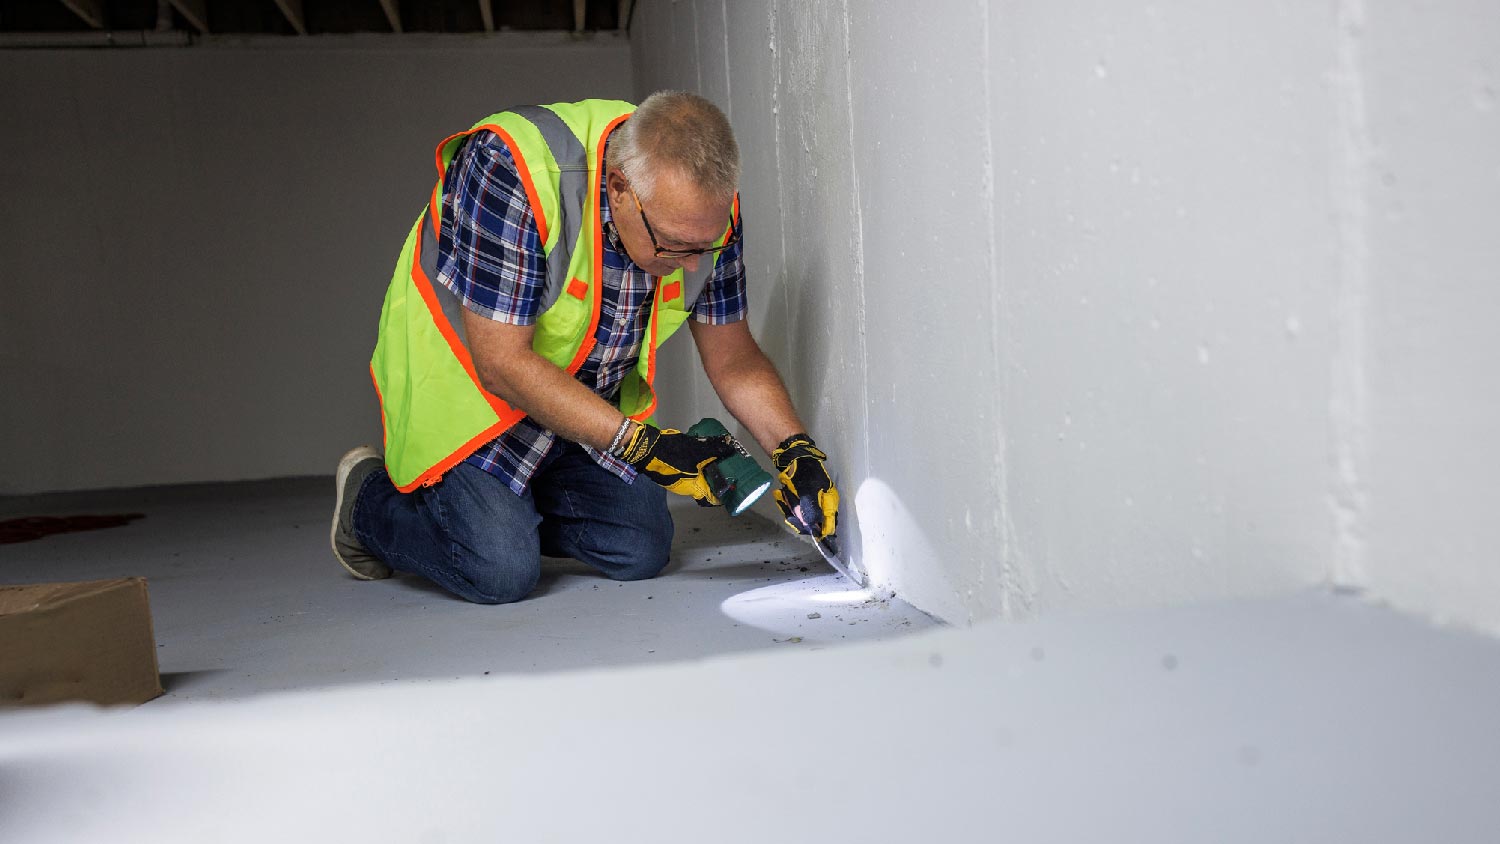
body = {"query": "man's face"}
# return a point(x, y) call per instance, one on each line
point(681, 218)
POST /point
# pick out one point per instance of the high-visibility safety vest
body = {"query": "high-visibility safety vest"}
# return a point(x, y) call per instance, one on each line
point(433, 408)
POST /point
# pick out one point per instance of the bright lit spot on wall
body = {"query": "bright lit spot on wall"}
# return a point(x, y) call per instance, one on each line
point(890, 538)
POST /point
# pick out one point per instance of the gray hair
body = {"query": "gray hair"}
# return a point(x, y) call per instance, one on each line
point(681, 130)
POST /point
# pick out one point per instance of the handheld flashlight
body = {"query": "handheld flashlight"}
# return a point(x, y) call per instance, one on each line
point(737, 480)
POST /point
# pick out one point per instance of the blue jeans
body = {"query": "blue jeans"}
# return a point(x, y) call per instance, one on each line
point(473, 536)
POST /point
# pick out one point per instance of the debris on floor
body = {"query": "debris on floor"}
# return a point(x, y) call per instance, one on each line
point(246, 603)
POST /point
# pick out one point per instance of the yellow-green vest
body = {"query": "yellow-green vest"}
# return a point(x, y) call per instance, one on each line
point(434, 411)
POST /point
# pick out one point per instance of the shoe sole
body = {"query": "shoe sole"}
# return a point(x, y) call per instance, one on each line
point(347, 463)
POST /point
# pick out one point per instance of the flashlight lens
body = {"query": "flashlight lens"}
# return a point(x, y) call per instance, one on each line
point(751, 497)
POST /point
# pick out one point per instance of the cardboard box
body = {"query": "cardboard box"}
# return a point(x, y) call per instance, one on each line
point(88, 641)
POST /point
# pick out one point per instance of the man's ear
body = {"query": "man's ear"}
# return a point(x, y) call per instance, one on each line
point(615, 183)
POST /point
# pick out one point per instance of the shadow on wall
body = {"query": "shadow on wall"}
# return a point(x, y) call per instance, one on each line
point(773, 330)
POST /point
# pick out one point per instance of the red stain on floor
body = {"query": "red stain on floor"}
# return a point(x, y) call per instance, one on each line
point(35, 527)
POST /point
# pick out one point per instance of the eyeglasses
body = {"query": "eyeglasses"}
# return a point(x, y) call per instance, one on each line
point(734, 236)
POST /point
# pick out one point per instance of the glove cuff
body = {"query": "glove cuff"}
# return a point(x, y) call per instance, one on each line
point(637, 448)
point(797, 445)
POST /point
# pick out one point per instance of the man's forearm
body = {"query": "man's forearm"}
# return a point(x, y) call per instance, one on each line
point(553, 398)
point(753, 392)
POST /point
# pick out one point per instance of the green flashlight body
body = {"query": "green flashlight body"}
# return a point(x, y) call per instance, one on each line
point(737, 480)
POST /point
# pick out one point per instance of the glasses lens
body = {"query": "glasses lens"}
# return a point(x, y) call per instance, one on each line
point(734, 237)
point(688, 253)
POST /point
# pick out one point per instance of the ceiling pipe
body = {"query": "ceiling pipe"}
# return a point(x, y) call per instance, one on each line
point(95, 39)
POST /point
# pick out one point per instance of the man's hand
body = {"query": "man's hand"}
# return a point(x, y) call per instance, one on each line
point(676, 460)
point(807, 497)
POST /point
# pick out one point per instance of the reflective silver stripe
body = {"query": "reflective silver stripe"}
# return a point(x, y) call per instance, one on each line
point(572, 190)
point(694, 282)
point(427, 257)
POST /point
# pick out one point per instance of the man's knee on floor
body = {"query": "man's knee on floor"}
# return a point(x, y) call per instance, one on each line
point(501, 581)
point(640, 566)
point(643, 555)
point(499, 590)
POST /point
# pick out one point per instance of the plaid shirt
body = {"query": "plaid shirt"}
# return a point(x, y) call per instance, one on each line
point(490, 256)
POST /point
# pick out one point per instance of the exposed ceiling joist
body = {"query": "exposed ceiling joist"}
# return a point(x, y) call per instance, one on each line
point(196, 12)
point(392, 14)
point(196, 19)
point(292, 9)
point(91, 11)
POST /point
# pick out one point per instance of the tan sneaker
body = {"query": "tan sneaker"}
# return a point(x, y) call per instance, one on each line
point(356, 465)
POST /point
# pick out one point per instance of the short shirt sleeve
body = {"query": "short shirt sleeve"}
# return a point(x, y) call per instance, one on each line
point(723, 299)
point(489, 249)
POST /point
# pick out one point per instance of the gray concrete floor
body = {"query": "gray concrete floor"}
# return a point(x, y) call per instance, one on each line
point(247, 598)
point(1313, 718)
point(1305, 718)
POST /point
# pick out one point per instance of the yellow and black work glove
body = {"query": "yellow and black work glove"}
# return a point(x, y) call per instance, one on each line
point(807, 498)
point(676, 460)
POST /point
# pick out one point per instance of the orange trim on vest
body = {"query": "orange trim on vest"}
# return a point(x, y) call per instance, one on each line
point(435, 474)
point(508, 415)
point(432, 476)
point(438, 156)
point(460, 351)
point(651, 356)
point(588, 337)
point(522, 169)
point(435, 312)
point(663, 294)
point(434, 207)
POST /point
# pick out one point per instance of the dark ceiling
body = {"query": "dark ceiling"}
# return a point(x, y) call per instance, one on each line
point(312, 17)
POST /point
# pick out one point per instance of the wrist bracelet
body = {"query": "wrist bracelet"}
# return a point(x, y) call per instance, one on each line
point(614, 444)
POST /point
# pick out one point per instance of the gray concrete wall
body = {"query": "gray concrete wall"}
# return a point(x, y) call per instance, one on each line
point(1422, 291)
point(1098, 306)
point(197, 241)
